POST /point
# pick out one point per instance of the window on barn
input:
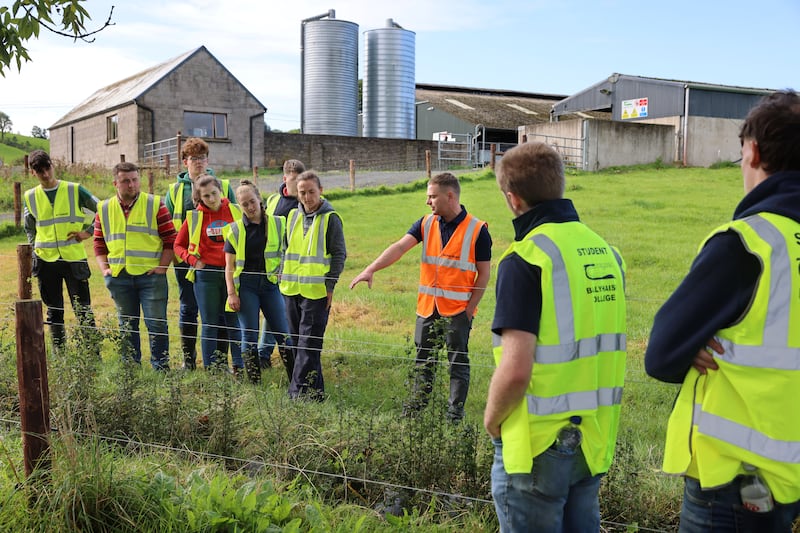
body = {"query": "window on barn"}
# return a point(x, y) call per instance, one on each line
point(208, 125)
point(112, 128)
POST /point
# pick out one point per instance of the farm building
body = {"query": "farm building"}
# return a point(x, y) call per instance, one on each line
point(463, 116)
point(138, 118)
point(695, 124)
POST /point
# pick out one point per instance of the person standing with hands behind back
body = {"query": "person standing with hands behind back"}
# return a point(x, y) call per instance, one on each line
point(279, 204)
point(730, 333)
point(54, 224)
point(559, 326)
point(314, 259)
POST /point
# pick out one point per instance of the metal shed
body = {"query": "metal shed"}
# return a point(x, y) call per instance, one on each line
point(706, 116)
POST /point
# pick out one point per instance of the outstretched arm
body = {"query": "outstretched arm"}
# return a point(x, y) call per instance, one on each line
point(388, 257)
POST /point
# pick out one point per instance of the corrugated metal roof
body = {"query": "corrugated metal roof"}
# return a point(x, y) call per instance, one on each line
point(490, 107)
point(124, 91)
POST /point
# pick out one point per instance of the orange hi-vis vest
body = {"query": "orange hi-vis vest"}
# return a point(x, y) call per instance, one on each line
point(447, 274)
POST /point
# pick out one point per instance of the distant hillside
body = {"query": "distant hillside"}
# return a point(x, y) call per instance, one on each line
point(13, 147)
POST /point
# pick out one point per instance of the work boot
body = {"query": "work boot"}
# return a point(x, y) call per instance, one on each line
point(252, 366)
point(287, 356)
point(189, 345)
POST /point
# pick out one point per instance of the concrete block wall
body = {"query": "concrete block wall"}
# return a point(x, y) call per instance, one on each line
point(334, 152)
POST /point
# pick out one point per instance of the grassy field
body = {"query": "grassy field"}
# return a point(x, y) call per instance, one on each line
point(14, 147)
point(655, 216)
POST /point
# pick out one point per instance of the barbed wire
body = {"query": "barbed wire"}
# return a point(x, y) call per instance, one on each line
point(307, 472)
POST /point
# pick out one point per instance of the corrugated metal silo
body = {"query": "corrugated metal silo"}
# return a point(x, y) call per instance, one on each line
point(389, 85)
point(329, 99)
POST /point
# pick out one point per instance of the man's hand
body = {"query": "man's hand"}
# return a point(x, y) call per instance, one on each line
point(364, 276)
point(704, 360)
point(158, 270)
point(79, 236)
point(234, 302)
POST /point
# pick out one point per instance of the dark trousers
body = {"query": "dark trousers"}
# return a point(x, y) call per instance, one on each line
point(429, 334)
point(307, 322)
point(52, 277)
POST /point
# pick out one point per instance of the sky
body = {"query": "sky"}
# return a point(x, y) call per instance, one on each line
point(536, 46)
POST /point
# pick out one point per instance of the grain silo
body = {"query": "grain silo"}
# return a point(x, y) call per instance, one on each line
point(389, 85)
point(329, 76)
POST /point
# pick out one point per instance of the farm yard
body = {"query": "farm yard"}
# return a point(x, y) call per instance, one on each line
point(133, 450)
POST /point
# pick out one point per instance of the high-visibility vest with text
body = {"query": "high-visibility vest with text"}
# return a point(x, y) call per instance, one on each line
point(579, 359)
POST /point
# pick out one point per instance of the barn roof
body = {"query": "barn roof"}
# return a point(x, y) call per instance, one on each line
point(126, 91)
point(491, 107)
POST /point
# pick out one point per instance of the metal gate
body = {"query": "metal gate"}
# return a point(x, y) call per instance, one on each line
point(572, 149)
point(455, 150)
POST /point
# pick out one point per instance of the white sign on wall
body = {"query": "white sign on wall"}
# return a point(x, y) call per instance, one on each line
point(636, 108)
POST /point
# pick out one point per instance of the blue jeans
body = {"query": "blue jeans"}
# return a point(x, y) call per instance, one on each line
point(267, 342)
point(559, 494)
point(211, 294)
point(721, 510)
point(187, 311)
point(307, 322)
point(145, 294)
point(257, 293)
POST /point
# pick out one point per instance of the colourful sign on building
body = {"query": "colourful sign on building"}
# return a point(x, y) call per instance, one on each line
point(636, 108)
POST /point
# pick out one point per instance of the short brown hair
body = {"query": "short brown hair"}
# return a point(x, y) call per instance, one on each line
point(125, 166)
point(202, 181)
point(39, 160)
point(774, 123)
point(446, 179)
point(194, 146)
point(293, 165)
point(533, 171)
point(309, 175)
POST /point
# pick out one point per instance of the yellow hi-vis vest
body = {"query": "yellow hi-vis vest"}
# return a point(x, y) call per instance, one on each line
point(133, 242)
point(307, 261)
point(55, 220)
point(579, 362)
point(175, 193)
point(272, 203)
point(273, 251)
point(194, 221)
point(747, 410)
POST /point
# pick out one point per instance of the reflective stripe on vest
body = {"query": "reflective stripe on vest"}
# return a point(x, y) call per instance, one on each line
point(273, 251)
point(579, 360)
point(133, 243)
point(54, 221)
point(175, 193)
point(447, 273)
point(744, 411)
point(307, 261)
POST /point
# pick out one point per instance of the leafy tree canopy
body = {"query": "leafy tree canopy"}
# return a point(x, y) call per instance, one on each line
point(24, 19)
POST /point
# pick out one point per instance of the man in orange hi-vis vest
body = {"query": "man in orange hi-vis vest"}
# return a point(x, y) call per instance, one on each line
point(454, 271)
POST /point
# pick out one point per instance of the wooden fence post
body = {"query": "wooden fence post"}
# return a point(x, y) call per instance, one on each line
point(34, 396)
point(352, 175)
point(166, 165)
point(25, 164)
point(428, 163)
point(492, 155)
point(17, 203)
point(179, 143)
point(151, 181)
point(255, 174)
point(24, 269)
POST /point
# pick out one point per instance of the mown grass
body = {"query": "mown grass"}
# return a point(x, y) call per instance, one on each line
point(655, 215)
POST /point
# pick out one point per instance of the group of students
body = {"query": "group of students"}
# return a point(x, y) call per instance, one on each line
point(235, 258)
point(728, 334)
